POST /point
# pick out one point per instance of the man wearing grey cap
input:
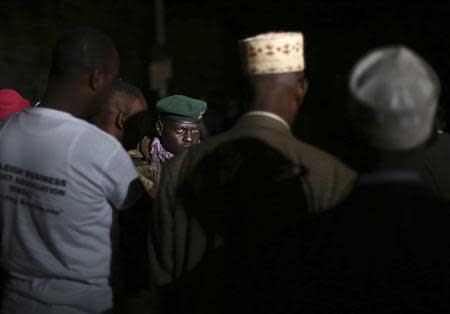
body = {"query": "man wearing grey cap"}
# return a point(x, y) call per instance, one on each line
point(386, 246)
point(274, 66)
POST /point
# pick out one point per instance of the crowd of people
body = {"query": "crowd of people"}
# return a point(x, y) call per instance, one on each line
point(114, 203)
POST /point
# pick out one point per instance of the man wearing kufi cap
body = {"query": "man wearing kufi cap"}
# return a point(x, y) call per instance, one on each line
point(274, 66)
point(386, 246)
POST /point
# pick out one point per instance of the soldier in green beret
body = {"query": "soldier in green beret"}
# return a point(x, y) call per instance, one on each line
point(177, 128)
point(178, 122)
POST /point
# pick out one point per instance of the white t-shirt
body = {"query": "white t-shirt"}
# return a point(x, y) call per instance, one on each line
point(60, 180)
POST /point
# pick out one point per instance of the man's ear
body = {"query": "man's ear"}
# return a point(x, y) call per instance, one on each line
point(96, 80)
point(159, 127)
point(120, 120)
point(301, 89)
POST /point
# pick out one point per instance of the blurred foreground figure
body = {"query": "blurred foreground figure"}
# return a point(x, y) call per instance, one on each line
point(58, 207)
point(274, 66)
point(385, 248)
point(11, 102)
point(259, 223)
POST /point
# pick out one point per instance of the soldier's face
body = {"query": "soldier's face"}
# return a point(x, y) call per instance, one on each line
point(176, 136)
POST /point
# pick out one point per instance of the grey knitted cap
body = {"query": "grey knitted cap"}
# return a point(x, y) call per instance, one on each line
point(395, 94)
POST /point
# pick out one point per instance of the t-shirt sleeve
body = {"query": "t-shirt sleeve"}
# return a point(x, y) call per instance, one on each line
point(121, 184)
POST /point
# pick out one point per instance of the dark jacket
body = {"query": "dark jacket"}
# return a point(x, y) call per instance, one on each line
point(435, 168)
point(383, 250)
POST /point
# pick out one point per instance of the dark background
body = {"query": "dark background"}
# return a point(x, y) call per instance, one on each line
point(202, 44)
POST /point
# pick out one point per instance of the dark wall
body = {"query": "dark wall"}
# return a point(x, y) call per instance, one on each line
point(30, 29)
point(204, 34)
point(202, 43)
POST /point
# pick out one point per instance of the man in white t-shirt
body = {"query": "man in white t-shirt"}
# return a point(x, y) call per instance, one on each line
point(58, 201)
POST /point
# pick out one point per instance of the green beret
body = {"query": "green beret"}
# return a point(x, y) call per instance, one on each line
point(182, 108)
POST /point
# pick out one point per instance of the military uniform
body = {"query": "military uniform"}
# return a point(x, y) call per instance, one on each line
point(148, 172)
point(177, 107)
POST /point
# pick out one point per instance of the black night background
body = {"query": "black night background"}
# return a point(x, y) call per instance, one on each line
point(201, 42)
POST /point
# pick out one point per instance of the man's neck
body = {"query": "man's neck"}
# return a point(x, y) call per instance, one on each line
point(388, 160)
point(268, 114)
point(64, 100)
point(110, 129)
point(270, 107)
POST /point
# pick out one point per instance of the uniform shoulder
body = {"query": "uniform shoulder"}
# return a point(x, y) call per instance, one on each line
point(135, 154)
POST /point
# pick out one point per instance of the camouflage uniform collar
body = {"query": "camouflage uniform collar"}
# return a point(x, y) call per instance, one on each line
point(141, 149)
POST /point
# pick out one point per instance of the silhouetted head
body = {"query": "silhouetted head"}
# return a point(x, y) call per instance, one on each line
point(248, 194)
point(245, 188)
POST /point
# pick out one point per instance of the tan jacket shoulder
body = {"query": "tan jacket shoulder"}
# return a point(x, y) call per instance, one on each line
point(330, 179)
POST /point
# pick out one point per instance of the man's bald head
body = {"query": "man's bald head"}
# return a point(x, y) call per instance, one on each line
point(269, 83)
point(280, 93)
point(80, 51)
point(121, 96)
point(84, 64)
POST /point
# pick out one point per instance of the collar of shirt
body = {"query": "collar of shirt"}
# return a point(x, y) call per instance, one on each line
point(397, 175)
point(269, 115)
point(157, 152)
